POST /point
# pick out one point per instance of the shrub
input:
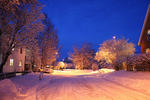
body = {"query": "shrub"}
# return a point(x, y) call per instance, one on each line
point(120, 64)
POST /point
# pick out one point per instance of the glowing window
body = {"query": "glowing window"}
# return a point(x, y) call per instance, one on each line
point(148, 31)
point(20, 63)
point(11, 62)
point(148, 35)
point(13, 49)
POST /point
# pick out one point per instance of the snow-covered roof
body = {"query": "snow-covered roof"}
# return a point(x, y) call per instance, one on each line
point(144, 25)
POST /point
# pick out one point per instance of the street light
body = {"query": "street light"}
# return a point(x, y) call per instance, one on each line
point(114, 37)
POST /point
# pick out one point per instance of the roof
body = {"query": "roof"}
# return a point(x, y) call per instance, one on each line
point(144, 25)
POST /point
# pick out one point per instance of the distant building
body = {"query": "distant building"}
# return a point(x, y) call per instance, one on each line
point(144, 40)
point(68, 63)
point(15, 62)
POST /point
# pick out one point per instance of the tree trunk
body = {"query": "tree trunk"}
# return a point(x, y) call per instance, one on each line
point(4, 62)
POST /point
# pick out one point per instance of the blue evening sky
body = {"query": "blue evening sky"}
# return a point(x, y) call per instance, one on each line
point(94, 21)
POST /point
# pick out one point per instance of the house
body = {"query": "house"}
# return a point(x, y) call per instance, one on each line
point(20, 60)
point(28, 66)
point(68, 63)
point(32, 61)
point(15, 62)
point(144, 40)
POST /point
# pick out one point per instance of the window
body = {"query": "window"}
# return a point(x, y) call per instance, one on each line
point(20, 63)
point(11, 62)
point(20, 50)
point(13, 49)
point(148, 31)
point(148, 35)
point(0, 58)
point(148, 50)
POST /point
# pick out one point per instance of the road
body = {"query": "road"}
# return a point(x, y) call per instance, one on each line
point(87, 88)
point(82, 87)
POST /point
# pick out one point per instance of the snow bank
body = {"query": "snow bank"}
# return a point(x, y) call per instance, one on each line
point(20, 87)
point(8, 90)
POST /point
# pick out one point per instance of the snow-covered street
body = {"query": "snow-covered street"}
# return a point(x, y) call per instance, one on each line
point(80, 86)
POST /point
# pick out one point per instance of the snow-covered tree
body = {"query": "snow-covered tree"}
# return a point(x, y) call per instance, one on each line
point(112, 50)
point(83, 57)
point(20, 21)
point(49, 44)
point(95, 65)
point(34, 54)
point(139, 62)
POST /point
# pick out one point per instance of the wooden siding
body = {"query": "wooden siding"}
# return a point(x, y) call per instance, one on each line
point(144, 43)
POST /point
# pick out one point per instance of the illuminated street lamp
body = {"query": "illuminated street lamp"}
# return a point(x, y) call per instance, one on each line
point(114, 37)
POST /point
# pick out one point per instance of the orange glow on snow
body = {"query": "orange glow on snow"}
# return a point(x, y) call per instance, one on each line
point(105, 70)
point(71, 72)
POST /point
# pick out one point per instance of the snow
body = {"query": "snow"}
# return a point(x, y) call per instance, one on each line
point(78, 85)
point(71, 72)
point(7, 89)
point(105, 70)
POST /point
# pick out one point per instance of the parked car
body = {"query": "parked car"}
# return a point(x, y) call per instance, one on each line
point(47, 70)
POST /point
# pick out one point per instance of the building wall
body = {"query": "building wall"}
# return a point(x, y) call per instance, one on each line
point(28, 61)
point(145, 43)
point(18, 57)
point(28, 66)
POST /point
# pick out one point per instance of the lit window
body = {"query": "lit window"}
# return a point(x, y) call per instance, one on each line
point(20, 63)
point(148, 35)
point(11, 62)
point(149, 31)
point(13, 49)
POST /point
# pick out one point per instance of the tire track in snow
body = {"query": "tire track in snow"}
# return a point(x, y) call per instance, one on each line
point(95, 93)
point(115, 91)
point(83, 88)
point(126, 90)
point(144, 93)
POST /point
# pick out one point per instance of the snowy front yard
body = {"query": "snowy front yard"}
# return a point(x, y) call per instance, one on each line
point(78, 85)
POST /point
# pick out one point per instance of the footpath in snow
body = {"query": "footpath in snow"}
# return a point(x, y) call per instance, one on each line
point(78, 85)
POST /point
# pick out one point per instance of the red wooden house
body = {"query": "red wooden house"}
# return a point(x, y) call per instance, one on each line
point(144, 40)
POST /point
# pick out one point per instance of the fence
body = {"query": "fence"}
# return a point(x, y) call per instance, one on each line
point(11, 74)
